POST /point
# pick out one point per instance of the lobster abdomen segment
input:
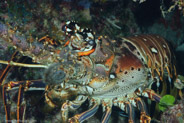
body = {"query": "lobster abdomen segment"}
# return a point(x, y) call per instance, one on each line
point(154, 51)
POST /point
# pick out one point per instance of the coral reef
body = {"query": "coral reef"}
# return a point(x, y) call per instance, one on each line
point(169, 6)
point(174, 114)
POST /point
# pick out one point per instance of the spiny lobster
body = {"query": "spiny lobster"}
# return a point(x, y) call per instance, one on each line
point(83, 66)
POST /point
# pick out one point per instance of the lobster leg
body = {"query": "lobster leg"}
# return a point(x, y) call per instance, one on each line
point(144, 117)
point(6, 97)
point(130, 112)
point(127, 107)
point(107, 109)
point(7, 105)
point(20, 105)
point(48, 100)
point(28, 85)
point(21, 86)
point(7, 69)
point(71, 105)
point(4, 74)
point(85, 115)
point(149, 93)
point(106, 114)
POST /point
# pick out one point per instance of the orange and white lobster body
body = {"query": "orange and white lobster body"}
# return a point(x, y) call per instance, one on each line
point(107, 72)
point(125, 69)
point(132, 64)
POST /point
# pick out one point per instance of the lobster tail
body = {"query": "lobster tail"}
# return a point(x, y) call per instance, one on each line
point(154, 51)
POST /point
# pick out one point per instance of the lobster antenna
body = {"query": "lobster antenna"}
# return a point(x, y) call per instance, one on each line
point(22, 64)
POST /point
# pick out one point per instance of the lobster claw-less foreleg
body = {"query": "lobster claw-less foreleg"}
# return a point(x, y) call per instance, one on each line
point(106, 114)
point(7, 69)
point(107, 109)
point(21, 105)
point(149, 93)
point(21, 86)
point(20, 102)
point(144, 117)
point(137, 102)
point(7, 105)
point(71, 105)
point(79, 118)
point(130, 112)
point(128, 108)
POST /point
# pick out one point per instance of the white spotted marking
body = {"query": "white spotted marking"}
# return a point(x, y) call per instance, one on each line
point(68, 30)
point(68, 22)
point(72, 37)
point(158, 36)
point(145, 94)
point(62, 84)
point(154, 50)
point(139, 92)
point(112, 76)
point(132, 101)
point(144, 39)
point(122, 106)
point(164, 46)
point(77, 27)
point(158, 84)
point(90, 35)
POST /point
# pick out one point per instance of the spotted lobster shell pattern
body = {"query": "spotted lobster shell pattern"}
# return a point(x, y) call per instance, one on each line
point(154, 51)
point(105, 71)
